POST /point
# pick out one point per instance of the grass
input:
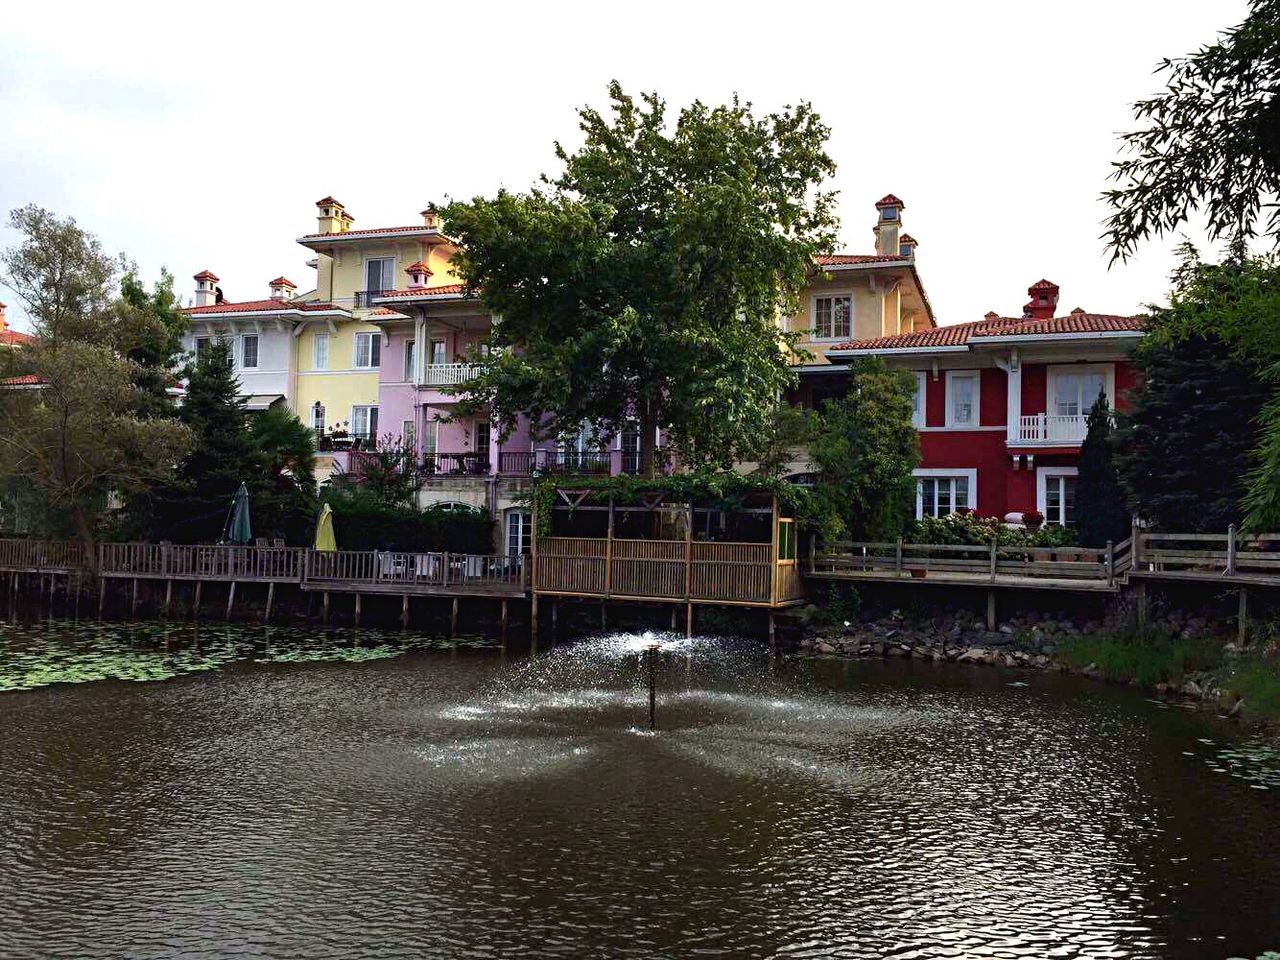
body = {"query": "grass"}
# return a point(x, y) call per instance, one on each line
point(1145, 656)
point(1257, 682)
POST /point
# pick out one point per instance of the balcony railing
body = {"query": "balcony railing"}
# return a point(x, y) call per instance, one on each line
point(449, 374)
point(517, 463)
point(1050, 429)
point(576, 462)
point(365, 298)
point(455, 464)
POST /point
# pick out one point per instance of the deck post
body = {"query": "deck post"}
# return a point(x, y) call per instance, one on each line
point(1111, 564)
point(995, 547)
point(1141, 596)
point(195, 607)
point(991, 610)
point(1135, 544)
point(1242, 617)
point(897, 559)
point(453, 619)
point(77, 595)
point(533, 623)
point(357, 608)
point(555, 620)
point(271, 599)
point(773, 551)
point(444, 569)
point(813, 552)
point(673, 618)
point(504, 622)
point(231, 600)
point(688, 622)
point(773, 634)
point(608, 560)
point(168, 597)
point(688, 554)
point(133, 602)
point(1231, 551)
point(404, 611)
point(324, 610)
point(604, 613)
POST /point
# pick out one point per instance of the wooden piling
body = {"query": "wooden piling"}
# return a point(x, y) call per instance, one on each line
point(404, 611)
point(195, 604)
point(1242, 617)
point(504, 623)
point(357, 608)
point(555, 620)
point(688, 622)
point(533, 624)
point(604, 615)
point(1140, 594)
point(231, 599)
point(168, 597)
point(453, 619)
point(324, 609)
point(271, 599)
point(991, 611)
point(773, 634)
point(133, 602)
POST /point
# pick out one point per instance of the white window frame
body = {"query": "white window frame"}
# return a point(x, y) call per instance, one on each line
point(524, 534)
point(407, 434)
point(1053, 372)
point(364, 274)
point(813, 315)
point(195, 345)
point(970, 474)
point(320, 351)
point(919, 416)
point(1042, 486)
point(355, 351)
point(976, 376)
point(431, 437)
point(368, 408)
point(409, 349)
point(244, 338)
point(318, 422)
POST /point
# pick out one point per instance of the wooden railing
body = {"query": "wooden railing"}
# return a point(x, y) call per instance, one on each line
point(415, 569)
point(1220, 554)
point(1050, 428)
point(659, 569)
point(986, 561)
point(194, 561)
point(45, 555)
point(449, 374)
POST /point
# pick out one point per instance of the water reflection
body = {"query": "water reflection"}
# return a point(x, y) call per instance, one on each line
point(427, 806)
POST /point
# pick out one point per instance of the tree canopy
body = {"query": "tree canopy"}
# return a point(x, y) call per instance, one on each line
point(644, 282)
point(1210, 142)
point(1101, 513)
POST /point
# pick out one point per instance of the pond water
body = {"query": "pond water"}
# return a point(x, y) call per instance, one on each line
point(456, 803)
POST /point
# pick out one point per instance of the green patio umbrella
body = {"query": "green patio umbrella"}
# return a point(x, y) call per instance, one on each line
point(237, 530)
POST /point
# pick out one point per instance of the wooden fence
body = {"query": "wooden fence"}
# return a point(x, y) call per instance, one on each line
point(965, 563)
point(197, 562)
point(664, 570)
point(47, 556)
point(383, 568)
point(1229, 554)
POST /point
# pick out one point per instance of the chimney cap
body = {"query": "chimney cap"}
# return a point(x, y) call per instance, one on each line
point(206, 275)
point(282, 282)
point(908, 238)
point(991, 315)
point(328, 202)
point(1076, 311)
point(418, 267)
point(1042, 285)
point(889, 200)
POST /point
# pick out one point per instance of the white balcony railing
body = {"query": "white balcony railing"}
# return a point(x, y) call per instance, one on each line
point(1050, 429)
point(448, 374)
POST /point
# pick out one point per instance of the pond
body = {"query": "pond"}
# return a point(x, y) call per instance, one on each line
point(289, 794)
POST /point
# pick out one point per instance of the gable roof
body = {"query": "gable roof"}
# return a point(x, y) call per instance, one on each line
point(995, 329)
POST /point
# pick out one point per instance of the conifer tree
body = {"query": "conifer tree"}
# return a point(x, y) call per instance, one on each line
point(1100, 502)
point(1185, 448)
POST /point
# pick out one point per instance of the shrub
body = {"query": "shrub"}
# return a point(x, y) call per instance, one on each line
point(968, 528)
point(363, 524)
point(1033, 520)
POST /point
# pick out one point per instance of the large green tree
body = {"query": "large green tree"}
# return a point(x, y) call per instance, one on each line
point(1101, 513)
point(156, 324)
point(644, 282)
point(1210, 142)
point(865, 447)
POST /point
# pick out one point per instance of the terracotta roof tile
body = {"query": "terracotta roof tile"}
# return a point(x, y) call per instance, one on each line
point(205, 275)
point(843, 259)
point(960, 334)
point(259, 306)
point(447, 289)
point(28, 380)
point(889, 200)
point(282, 282)
point(362, 232)
point(16, 338)
point(327, 201)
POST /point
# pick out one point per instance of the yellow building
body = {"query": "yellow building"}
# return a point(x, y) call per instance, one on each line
point(338, 360)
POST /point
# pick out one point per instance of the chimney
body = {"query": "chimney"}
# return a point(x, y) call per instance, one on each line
point(887, 223)
point(1044, 301)
point(283, 289)
point(418, 274)
point(431, 218)
point(206, 289)
point(331, 216)
point(907, 245)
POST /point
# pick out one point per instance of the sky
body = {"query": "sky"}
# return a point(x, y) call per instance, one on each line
point(199, 136)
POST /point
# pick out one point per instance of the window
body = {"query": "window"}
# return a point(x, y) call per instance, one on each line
point(406, 434)
point(832, 317)
point(368, 351)
point(317, 419)
point(917, 401)
point(202, 346)
point(437, 351)
point(962, 399)
point(1056, 495)
point(943, 492)
point(786, 540)
point(249, 350)
point(364, 422)
point(380, 274)
point(408, 360)
point(431, 439)
point(1072, 391)
point(888, 213)
point(454, 506)
point(519, 532)
point(320, 352)
point(481, 433)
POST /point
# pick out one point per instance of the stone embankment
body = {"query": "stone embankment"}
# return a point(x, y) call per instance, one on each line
point(1030, 641)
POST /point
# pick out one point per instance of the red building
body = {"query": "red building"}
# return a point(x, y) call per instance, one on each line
point(1001, 403)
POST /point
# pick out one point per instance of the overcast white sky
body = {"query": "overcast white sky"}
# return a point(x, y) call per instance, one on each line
point(199, 135)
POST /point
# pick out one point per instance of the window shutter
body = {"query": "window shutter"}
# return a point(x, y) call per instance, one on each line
point(375, 349)
point(373, 423)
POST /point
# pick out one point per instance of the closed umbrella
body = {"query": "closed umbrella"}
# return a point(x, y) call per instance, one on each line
point(238, 530)
point(324, 531)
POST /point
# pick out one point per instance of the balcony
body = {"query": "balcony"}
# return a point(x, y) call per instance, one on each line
point(455, 464)
point(448, 374)
point(1049, 430)
point(365, 298)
